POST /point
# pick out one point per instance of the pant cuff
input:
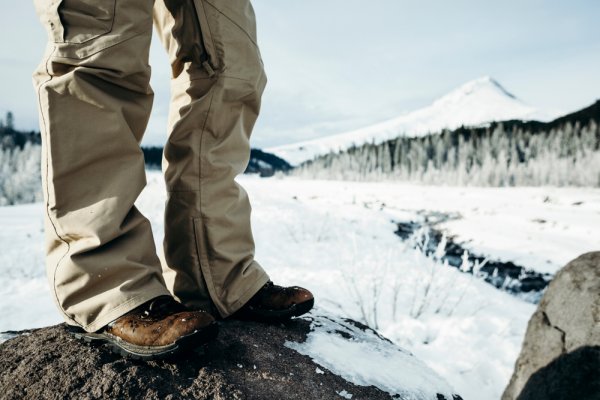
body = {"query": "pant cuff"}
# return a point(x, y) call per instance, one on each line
point(245, 297)
point(106, 317)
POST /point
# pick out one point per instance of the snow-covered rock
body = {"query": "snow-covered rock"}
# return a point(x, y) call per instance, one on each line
point(363, 357)
point(318, 357)
point(475, 103)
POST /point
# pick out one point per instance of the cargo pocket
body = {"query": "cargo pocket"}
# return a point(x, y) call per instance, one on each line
point(76, 21)
point(230, 28)
point(85, 20)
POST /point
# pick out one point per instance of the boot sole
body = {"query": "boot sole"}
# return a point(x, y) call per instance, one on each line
point(148, 353)
point(295, 310)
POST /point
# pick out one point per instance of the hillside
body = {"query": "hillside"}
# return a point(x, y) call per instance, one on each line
point(562, 152)
point(475, 103)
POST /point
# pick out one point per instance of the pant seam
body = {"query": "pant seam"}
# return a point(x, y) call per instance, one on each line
point(205, 269)
point(176, 82)
point(209, 286)
point(47, 185)
point(202, 136)
point(233, 22)
point(211, 49)
point(133, 35)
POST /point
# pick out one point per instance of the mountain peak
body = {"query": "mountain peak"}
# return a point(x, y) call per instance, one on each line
point(486, 81)
point(476, 102)
point(484, 87)
point(491, 81)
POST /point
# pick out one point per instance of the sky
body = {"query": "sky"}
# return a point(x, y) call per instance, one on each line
point(337, 65)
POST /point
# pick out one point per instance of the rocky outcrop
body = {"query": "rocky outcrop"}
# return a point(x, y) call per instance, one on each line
point(560, 358)
point(247, 361)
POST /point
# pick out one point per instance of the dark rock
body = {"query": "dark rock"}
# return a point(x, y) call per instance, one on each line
point(247, 361)
point(560, 357)
point(573, 375)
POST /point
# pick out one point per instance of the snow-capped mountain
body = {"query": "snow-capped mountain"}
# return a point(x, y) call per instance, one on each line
point(476, 102)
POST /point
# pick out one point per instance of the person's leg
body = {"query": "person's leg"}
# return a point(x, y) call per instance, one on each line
point(218, 80)
point(94, 103)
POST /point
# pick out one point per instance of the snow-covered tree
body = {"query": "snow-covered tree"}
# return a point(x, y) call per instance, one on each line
point(20, 179)
point(510, 154)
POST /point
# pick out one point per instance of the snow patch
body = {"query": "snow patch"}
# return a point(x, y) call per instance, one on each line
point(345, 394)
point(364, 358)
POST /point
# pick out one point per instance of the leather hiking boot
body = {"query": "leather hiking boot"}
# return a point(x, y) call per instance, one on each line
point(159, 328)
point(274, 303)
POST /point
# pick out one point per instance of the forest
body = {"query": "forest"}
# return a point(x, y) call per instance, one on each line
point(564, 152)
point(20, 180)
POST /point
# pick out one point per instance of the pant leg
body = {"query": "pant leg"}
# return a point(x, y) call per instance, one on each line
point(94, 102)
point(216, 88)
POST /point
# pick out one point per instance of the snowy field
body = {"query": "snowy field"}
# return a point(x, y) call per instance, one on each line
point(337, 238)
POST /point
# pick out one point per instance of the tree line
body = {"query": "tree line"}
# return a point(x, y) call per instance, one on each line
point(564, 152)
point(20, 163)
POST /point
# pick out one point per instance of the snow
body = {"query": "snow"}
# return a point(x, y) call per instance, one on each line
point(539, 228)
point(25, 300)
point(475, 103)
point(344, 394)
point(336, 238)
point(367, 360)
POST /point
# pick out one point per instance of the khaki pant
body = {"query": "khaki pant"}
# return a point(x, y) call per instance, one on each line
point(94, 102)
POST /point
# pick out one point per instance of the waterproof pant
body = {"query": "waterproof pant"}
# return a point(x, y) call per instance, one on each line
point(94, 104)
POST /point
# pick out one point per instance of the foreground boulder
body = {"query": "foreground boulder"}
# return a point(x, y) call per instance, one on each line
point(247, 361)
point(560, 358)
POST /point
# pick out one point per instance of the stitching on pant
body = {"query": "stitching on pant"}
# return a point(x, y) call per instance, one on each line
point(203, 259)
point(47, 137)
point(112, 24)
point(226, 76)
point(233, 22)
point(198, 250)
point(212, 96)
point(133, 35)
point(210, 32)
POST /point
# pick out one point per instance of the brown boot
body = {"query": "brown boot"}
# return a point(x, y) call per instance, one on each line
point(276, 303)
point(159, 328)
